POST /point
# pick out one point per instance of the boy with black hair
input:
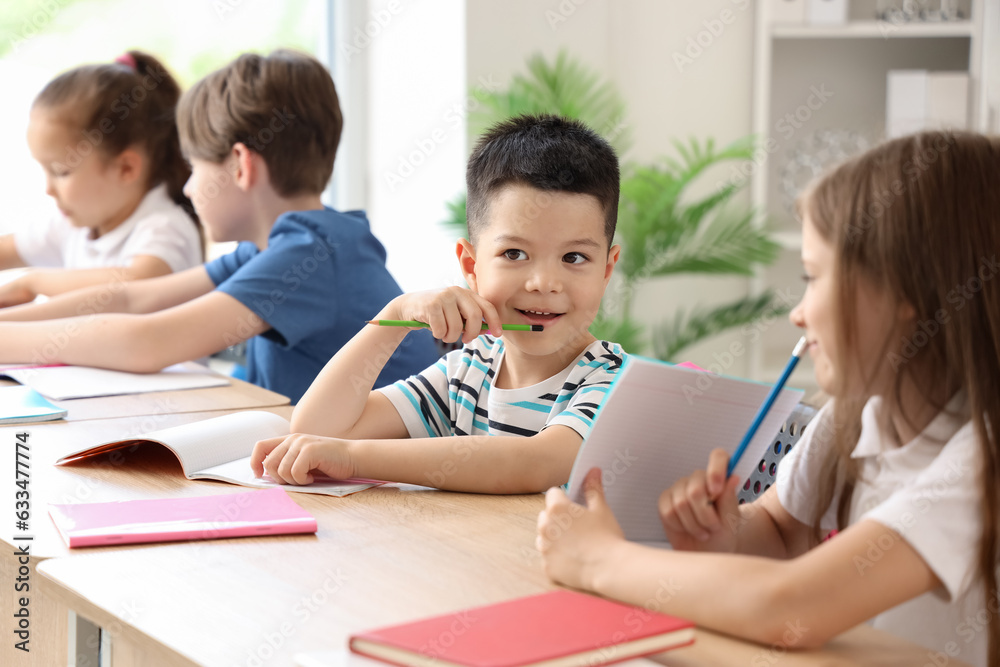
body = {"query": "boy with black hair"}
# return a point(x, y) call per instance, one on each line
point(508, 411)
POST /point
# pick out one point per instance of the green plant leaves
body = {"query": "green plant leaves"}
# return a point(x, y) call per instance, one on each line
point(684, 329)
point(565, 88)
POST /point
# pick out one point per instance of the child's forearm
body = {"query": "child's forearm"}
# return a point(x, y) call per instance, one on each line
point(89, 301)
point(478, 464)
point(337, 397)
point(728, 593)
point(101, 342)
point(50, 282)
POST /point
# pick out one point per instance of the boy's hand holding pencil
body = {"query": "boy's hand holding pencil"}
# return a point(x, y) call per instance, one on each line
point(451, 314)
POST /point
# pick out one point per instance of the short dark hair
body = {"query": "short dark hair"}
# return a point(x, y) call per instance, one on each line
point(283, 106)
point(545, 152)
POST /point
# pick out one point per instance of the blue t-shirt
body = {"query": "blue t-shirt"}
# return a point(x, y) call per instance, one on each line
point(321, 277)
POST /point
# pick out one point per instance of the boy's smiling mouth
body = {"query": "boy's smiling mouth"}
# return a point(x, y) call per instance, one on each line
point(539, 316)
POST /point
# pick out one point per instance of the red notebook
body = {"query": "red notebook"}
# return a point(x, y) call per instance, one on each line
point(557, 629)
point(254, 513)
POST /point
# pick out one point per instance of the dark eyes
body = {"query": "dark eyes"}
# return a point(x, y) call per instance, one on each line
point(570, 258)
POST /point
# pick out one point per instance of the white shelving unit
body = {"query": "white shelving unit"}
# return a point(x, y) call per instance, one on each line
point(809, 78)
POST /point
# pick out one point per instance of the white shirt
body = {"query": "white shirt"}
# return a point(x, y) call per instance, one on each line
point(928, 491)
point(157, 227)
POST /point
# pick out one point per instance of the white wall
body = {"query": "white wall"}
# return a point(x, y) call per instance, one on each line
point(416, 136)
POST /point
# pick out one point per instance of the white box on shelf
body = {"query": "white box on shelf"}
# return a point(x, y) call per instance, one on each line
point(906, 102)
point(948, 100)
point(787, 11)
point(826, 12)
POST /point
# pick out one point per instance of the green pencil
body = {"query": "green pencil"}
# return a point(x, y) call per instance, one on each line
point(424, 325)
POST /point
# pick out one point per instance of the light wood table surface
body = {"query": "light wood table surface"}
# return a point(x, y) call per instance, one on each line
point(238, 395)
point(382, 556)
point(146, 473)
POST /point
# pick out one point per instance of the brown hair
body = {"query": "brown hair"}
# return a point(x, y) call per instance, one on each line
point(548, 153)
point(918, 216)
point(118, 105)
point(282, 106)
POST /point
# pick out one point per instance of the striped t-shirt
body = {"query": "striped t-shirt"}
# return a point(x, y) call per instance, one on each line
point(456, 395)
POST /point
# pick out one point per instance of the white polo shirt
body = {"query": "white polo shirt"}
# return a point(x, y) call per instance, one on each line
point(928, 491)
point(157, 227)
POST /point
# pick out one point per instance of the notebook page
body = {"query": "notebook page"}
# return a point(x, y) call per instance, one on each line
point(658, 425)
point(218, 440)
point(239, 472)
point(66, 382)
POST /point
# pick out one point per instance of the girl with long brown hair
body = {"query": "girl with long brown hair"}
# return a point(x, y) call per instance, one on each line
point(902, 315)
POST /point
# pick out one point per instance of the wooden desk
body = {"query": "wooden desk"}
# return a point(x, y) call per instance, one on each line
point(257, 602)
point(239, 395)
point(143, 474)
point(381, 556)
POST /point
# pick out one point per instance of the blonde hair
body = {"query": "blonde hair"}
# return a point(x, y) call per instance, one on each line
point(919, 217)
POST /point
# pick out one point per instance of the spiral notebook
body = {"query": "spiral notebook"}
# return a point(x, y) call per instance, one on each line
point(658, 423)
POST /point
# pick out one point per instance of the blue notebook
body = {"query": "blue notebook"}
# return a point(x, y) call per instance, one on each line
point(22, 405)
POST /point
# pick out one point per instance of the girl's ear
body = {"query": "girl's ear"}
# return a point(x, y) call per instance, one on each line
point(466, 253)
point(130, 163)
point(243, 166)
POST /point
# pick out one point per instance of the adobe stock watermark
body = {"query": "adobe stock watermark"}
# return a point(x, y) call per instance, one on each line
point(793, 635)
point(292, 278)
point(121, 109)
point(725, 361)
point(958, 297)
point(704, 39)
point(957, 473)
point(786, 126)
point(970, 627)
point(562, 13)
point(424, 147)
point(363, 36)
point(302, 611)
point(561, 522)
point(913, 169)
point(438, 646)
point(33, 24)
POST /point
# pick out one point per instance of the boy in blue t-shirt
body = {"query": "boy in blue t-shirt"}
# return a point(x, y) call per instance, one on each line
point(261, 135)
point(507, 412)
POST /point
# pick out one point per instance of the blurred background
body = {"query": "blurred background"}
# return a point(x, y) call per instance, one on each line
point(722, 110)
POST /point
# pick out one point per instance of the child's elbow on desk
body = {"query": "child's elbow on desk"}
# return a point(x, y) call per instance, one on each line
point(780, 611)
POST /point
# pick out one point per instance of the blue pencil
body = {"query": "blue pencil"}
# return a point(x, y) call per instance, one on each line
point(766, 407)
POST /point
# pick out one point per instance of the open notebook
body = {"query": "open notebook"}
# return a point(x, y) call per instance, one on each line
point(220, 448)
point(658, 424)
point(60, 382)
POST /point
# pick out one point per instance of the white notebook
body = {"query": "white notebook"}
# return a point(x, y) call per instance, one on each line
point(658, 424)
point(219, 449)
point(64, 382)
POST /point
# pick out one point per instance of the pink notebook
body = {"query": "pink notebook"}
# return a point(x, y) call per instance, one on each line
point(267, 512)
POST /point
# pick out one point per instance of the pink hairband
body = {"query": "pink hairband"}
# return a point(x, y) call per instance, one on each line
point(128, 60)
